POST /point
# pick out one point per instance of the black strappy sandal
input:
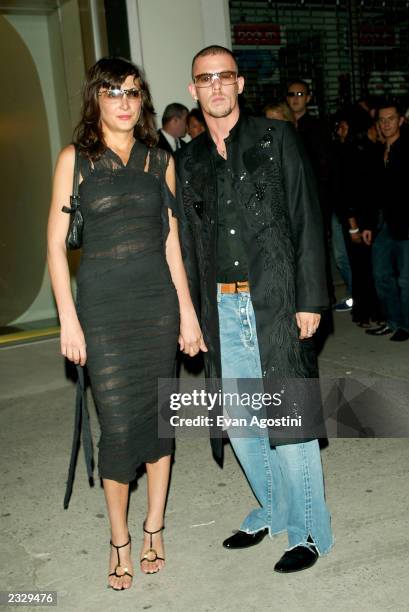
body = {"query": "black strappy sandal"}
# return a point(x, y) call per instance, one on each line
point(151, 555)
point(125, 569)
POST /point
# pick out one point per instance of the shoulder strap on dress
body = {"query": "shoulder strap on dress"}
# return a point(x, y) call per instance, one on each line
point(158, 161)
point(85, 166)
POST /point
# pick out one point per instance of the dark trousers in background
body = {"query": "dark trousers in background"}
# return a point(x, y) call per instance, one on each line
point(366, 304)
point(391, 274)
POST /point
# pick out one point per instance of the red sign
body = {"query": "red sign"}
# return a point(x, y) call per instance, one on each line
point(256, 34)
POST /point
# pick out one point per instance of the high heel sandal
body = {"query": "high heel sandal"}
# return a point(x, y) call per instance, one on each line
point(125, 569)
point(151, 555)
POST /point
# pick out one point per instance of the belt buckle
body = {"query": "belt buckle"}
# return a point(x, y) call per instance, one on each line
point(241, 286)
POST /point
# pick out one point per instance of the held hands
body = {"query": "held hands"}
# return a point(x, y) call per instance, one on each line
point(307, 323)
point(190, 337)
point(73, 345)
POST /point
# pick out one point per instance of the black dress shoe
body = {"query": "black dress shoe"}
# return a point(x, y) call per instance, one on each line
point(241, 539)
point(383, 330)
point(296, 560)
point(400, 336)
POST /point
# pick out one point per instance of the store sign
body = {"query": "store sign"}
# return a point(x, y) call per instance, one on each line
point(256, 34)
point(376, 36)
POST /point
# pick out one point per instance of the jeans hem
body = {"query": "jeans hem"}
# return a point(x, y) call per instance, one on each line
point(307, 544)
point(271, 533)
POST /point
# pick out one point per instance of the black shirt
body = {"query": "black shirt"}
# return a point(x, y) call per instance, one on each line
point(231, 255)
point(392, 186)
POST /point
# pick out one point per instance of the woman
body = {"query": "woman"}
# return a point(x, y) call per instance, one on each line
point(132, 290)
point(280, 111)
point(195, 123)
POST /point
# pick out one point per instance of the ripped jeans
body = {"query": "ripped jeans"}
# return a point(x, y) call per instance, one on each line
point(287, 480)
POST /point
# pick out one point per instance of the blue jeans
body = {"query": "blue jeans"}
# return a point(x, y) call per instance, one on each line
point(340, 252)
point(390, 260)
point(287, 480)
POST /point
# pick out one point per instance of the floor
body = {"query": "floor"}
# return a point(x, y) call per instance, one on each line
point(43, 547)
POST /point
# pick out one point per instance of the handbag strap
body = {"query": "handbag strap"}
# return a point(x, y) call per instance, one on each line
point(76, 178)
point(74, 198)
point(81, 419)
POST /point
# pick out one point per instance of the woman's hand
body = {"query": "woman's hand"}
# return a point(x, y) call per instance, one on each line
point(191, 337)
point(73, 345)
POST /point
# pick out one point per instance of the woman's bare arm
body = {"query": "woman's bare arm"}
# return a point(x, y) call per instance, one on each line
point(72, 337)
point(190, 339)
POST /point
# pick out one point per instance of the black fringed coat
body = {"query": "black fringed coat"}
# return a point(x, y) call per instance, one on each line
point(282, 231)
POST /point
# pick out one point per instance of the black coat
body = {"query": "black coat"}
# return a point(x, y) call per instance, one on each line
point(282, 231)
point(163, 143)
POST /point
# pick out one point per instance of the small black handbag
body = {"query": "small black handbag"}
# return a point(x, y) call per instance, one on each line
point(74, 235)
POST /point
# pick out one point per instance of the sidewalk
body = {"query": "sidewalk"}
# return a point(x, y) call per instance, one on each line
point(44, 547)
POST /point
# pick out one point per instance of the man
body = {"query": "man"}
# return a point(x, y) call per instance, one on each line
point(317, 142)
point(252, 240)
point(313, 131)
point(390, 250)
point(173, 127)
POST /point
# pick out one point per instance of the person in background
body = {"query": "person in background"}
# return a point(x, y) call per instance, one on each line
point(280, 111)
point(353, 193)
point(389, 229)
point(313, 131)
point(316, 139)
point(173, 128)
point(342, 150)
point(195, 123)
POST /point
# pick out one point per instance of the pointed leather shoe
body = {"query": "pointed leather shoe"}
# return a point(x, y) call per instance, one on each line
point(241, 539)
point(296, 560)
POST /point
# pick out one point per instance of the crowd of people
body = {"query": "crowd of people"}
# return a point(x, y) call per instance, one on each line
point(360, 163)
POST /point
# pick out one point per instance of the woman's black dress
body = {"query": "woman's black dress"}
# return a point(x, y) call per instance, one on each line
point(127, 303)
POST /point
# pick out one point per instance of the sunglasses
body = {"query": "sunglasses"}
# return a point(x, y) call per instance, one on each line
point(115, 94)
point(226, 77)
point(298, 94)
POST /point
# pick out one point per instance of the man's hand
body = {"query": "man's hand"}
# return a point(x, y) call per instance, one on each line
point(307, 323)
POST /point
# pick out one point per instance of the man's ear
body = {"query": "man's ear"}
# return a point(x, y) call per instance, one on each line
point(192, 91)
point(240, 84)
point(308, 98)
point(401, 120)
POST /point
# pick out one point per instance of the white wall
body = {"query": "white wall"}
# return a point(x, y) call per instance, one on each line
point(60, 77)
point(165, 35)
point(33, 29)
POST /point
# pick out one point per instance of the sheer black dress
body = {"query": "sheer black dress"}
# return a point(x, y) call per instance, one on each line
point(127, 303)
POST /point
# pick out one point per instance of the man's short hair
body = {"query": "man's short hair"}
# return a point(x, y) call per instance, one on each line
point(174, 110)
point(213, 50)
point(388, 103)
point(300, 82)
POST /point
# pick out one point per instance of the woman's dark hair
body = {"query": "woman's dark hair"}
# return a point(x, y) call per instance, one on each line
point(110, 72)
point(197, 114)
